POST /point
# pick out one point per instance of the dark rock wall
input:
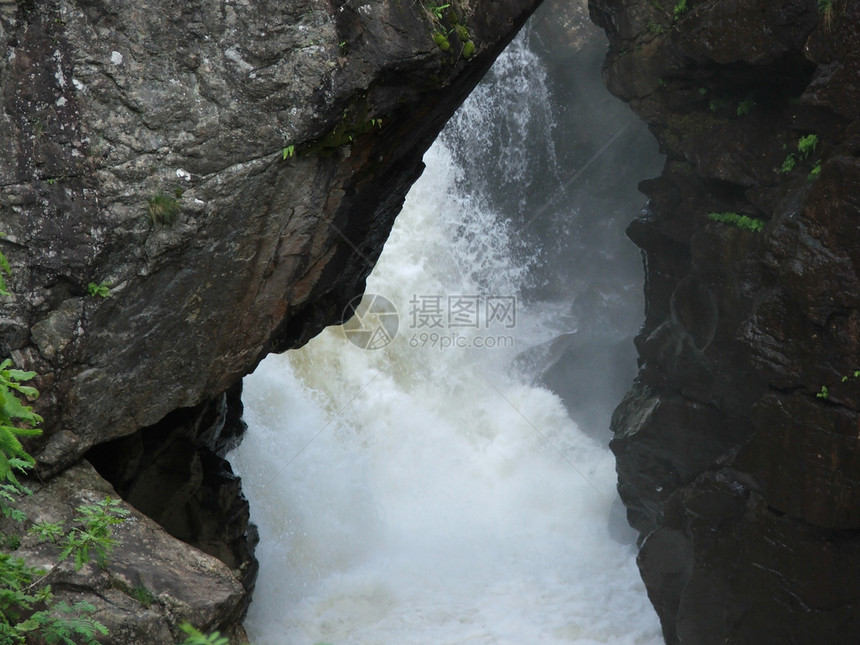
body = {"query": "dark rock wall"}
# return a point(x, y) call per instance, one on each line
point(738, 449)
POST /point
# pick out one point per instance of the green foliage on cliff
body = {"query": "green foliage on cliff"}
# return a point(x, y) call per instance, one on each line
point(163, 209)
point(196, 637)
point(28, 608)
point(4, 268)
point(744, 222)
point(102, 289)
point(17, 420)
point(807, 144)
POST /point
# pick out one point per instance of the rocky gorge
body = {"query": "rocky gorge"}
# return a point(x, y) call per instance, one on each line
point(737, 449)
point(228, 172)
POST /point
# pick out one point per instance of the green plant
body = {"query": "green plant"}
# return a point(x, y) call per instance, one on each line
point(807, 144)
point(468, 49)
point(288, 151)
point(93, 534)
point(102, 289)
point(47, 531)
point(744, 222)
point(679, 9)
point(441, 41)
point(437, 10)
point(143, 595)
point(28, 609)
point(745, 106)
point(163, 209)
point(816, 170)
point(16, 420)
point(27, 604)
point(825, 6)
point(4, 268)
point(824, 393)
point(655, 28)
point(195, 637)
point(855, 376)
point(789, 163)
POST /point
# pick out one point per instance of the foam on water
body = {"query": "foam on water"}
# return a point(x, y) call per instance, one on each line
point(414, 494)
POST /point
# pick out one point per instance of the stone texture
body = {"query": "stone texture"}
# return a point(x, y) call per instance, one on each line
point(108, 105)
point(185, 584)
point(739, 471)
point(231, 170)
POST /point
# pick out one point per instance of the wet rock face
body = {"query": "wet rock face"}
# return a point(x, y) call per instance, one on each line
point(184, 188)
point(231, 171)
point(151, 582)
point(738, 451)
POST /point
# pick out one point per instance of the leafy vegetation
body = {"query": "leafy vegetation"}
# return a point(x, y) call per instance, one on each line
point(744, 222)
point(4, 269)
point(28, 608)
point(806, 145)
point(789, 163)
point(680, 8)
point(17, 420)
point(163, 209)
point(288, 151)
point(824, 392)
point(655, 28)
point(102, 289)
point(195, 637)
point(143, 595)
point(746, 106)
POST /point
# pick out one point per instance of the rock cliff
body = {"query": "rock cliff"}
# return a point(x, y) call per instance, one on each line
point(738, 448)
point(185, 187)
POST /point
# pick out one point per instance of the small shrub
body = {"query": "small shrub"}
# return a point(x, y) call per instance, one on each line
point(789, 163)
point(438, 11)
point(743, 222)
point(441, 41)
point(816, 170)
point(680, 8)
point(655, 28)
point(163, 209)
point(806, 145)
point(195, 637)
point(4, 268)
point(102, 289)
point(745, 106)
point(143, 595)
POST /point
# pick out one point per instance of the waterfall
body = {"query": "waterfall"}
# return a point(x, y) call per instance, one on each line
point(426, 488)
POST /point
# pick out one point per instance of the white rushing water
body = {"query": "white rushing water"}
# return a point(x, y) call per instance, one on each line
point(431, 494)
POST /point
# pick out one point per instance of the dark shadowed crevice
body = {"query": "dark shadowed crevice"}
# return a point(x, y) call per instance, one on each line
point(175, 473)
